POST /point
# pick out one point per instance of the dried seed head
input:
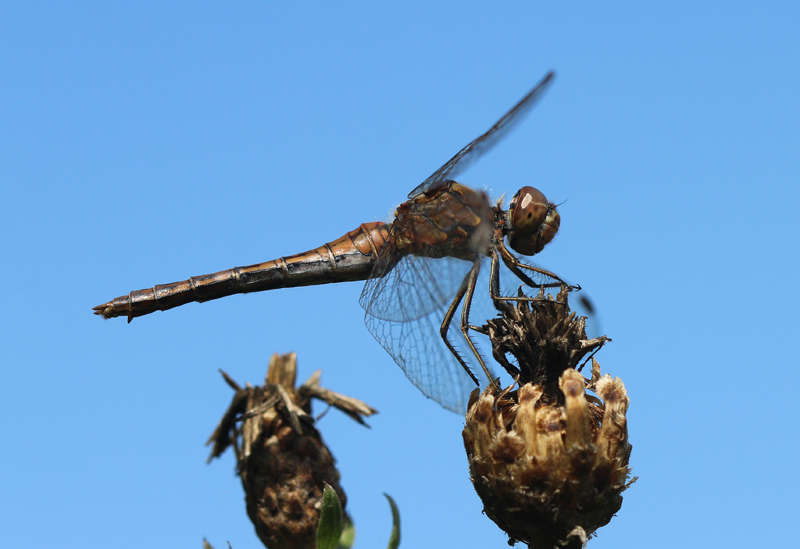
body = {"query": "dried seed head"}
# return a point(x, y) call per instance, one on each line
point(548, 461)
point(281, 458)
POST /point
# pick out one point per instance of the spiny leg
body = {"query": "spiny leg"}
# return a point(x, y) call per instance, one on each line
point(472, 279)
point(516, 266)
point(448, 319)
point(500, 302)
point(494, 282)
point(502, 306)
point(494, 289)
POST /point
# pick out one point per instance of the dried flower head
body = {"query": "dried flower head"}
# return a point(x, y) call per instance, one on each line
point(549, 461)
point(281, 458)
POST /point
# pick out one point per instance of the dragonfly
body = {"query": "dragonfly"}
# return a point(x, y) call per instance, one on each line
point(420, 269)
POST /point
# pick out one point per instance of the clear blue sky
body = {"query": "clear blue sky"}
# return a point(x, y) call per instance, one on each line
point(142, 144)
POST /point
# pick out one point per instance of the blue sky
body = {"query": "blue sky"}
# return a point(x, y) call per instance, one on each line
point(142, 144)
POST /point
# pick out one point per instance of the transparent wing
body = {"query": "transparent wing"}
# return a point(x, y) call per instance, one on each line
point(472, 152)
point(405, 308)
point(413, 287)
point(418, 349)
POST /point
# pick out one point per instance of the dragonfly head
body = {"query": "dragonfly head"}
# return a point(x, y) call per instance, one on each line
point(532, 221)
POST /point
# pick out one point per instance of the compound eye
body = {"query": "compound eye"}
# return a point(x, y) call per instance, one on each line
point(528, 210)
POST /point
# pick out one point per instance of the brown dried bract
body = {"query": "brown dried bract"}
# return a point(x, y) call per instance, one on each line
point(549, 461)
point(282, 460)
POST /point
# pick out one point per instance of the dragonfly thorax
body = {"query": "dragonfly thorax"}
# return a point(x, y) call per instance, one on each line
point(532, 221)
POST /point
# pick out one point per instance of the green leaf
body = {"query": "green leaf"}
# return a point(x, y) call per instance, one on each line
point(348, 535)
point(330, 525)
point(394, 539)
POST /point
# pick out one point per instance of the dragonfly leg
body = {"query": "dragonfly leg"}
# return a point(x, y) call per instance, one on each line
point(471, 280)
point(494, 283)
point(518, 268)
point(448, 319)
point(500, 305)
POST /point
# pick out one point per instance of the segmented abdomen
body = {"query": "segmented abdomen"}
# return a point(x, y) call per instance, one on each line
point(348, 258)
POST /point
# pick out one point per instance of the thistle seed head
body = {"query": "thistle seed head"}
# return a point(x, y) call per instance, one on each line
point(548, 460)
point(281, 458)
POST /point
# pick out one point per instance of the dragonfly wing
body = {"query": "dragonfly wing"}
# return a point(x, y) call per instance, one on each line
point(418, 349)
point(405, 310)
point(477, 148)
point(413, 287)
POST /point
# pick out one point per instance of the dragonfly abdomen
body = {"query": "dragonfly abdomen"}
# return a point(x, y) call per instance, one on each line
point(348, 258)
